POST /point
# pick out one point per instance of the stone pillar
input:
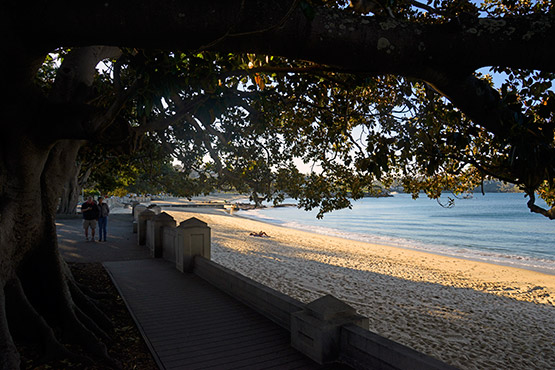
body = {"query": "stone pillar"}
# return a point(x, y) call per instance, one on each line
point(155, 232)
point(133, 205)
point(169, 243)
point(156, 209)
point(137, 210)
point(143, 217)
point(316, 330)
point(192, 239)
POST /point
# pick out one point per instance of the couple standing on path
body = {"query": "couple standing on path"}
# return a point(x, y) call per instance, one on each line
point(93, 213)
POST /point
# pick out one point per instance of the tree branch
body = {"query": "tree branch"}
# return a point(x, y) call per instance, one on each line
point(550, 213)
point(248, 33)
point(71, 93)
point(478, 100)
point(206, 141)
point(373, 46)
point(162, 123)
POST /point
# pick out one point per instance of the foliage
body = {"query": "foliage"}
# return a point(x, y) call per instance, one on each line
point(243, 121)
point(145, 170)
point(91, 193)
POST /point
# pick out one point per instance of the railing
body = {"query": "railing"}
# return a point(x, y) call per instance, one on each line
point(363, 349)
point(275, 305)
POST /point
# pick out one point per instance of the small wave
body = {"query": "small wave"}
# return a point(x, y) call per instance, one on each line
point(259, 215)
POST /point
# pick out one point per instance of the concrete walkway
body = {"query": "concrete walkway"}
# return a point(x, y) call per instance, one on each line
point(121, 243)
point(186, 322)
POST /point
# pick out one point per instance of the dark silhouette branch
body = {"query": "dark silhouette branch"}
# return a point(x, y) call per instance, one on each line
point(163, 122)
point(549, 213)
point(206, 141)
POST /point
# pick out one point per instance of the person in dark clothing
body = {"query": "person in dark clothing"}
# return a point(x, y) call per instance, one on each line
point(104, 211)
point(90, 212)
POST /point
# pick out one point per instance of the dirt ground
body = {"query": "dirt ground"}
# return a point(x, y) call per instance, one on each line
point(127, 349)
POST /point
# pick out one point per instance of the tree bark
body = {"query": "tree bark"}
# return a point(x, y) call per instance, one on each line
point(71, 190)
point(31, 258)
point(9, 357)
point(332, 37)
point(37, 296)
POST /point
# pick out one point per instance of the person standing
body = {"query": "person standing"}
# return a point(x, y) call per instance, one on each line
point(90, 212)
point(104, 211)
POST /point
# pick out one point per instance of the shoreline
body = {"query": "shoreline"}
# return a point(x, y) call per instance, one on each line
point(543, 277)
point(509, 255)
point(366, 239)
point(470, 314)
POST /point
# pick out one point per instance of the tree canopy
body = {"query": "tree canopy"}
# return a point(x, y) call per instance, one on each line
point(395, 96)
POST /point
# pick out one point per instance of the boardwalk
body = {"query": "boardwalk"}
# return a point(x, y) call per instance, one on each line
point(189, 324)
point(186, 322)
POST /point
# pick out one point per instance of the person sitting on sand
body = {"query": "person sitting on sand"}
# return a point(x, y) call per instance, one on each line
point(260, 234)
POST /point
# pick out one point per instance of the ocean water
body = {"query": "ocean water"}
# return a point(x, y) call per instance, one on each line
point(495, 227)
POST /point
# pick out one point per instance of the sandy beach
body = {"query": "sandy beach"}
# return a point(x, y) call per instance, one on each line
point(469, 314)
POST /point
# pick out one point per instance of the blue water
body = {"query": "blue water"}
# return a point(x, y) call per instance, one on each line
point(496, 227)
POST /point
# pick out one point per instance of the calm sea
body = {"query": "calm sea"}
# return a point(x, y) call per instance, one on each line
point(496, 228)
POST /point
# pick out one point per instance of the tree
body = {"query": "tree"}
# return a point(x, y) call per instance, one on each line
point(428, 53)
point(147, 169)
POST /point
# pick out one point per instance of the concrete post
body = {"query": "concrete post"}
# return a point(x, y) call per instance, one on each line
point(169, 243)
point(156, 209)
point(192, 239)
point(137, 210)
point(133, 205)
point(143, 217)
point(155, 232)
point(316, 330)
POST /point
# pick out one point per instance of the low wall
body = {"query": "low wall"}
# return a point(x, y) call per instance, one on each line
point(276, 306)
point(359, 347)
point(363, 349)
point(168, 243)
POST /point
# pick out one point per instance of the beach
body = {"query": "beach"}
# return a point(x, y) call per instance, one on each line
point(470, 314)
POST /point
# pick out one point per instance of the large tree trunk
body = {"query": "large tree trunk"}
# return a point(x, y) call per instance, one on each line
point(69, 198)
point(40, 302)
point(39, 296)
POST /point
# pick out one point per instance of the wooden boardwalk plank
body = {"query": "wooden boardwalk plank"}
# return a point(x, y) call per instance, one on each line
point(204, 348)
point(209, 343)
point(229, 355)
point(254, 360)
point(189, 324)
point(201, 321)
point(211, 334)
